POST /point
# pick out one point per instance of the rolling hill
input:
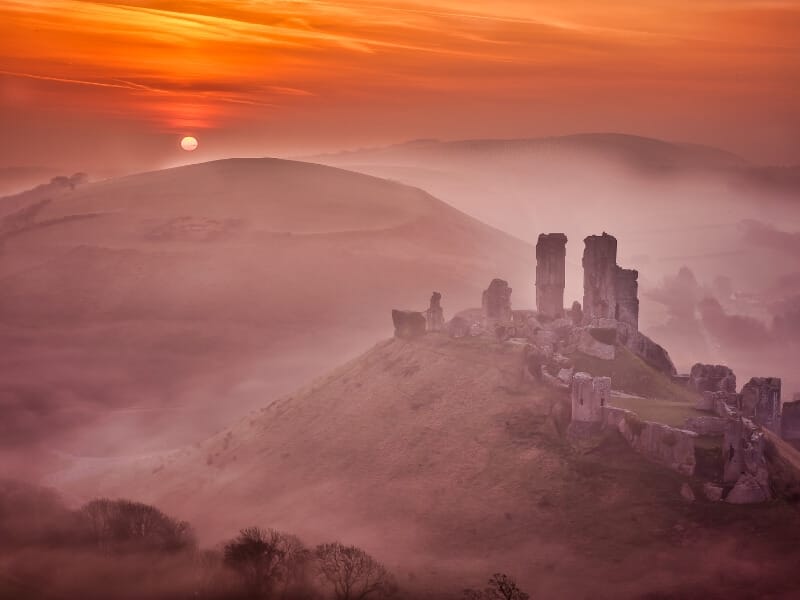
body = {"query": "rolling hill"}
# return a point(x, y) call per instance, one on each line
point(435, 456)
point(148, 310)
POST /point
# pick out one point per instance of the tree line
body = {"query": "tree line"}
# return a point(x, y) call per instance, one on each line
point(123, 549)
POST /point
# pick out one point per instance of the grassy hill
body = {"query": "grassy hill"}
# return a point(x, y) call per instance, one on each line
point(131, 306)
point(435, 456)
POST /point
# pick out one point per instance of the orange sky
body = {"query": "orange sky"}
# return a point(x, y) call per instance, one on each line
point(117, 81)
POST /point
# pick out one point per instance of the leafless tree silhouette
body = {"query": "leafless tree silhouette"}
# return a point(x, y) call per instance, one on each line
point(353, 574)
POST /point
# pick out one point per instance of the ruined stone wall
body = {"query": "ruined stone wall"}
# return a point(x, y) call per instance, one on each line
point(599, 277)
point(496, 303)
point(408, 323)
point(745, 464)
point(669, 446)
point(706, 425)
point(790, 419)
point(761, 401)
point(712, 378)
point(551, 252)
point(589, 396)
point(732, 451)
point(720, 403)
point(627, 294)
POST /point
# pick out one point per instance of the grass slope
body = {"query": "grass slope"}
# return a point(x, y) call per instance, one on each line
point(661, 399)
point(432, 455)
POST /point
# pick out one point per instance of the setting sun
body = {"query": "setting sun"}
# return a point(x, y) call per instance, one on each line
point(189, 143)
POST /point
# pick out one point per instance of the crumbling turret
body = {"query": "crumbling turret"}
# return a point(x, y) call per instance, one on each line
point(551, 252)
point(599, 278)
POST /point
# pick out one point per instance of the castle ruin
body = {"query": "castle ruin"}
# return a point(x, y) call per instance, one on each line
point(552, 337)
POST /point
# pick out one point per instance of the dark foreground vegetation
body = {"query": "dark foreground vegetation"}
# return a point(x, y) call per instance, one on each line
point(117, 549)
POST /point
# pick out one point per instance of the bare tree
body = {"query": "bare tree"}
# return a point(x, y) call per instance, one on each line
point(268, 561)
point(353, 573)
point(500, 587)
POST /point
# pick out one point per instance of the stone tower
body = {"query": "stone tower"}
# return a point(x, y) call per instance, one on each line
point(551, 252)
point(599, 278)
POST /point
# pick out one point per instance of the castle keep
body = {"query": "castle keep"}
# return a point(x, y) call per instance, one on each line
point(551, 252)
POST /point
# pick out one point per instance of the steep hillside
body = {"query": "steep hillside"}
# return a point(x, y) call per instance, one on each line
point(438, 458)
point(156, 307)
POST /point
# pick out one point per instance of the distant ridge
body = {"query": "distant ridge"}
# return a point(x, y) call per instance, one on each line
point(637, 150)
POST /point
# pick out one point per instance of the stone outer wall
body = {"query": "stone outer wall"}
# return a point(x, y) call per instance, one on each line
point(706, 425)
point(669, 446)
